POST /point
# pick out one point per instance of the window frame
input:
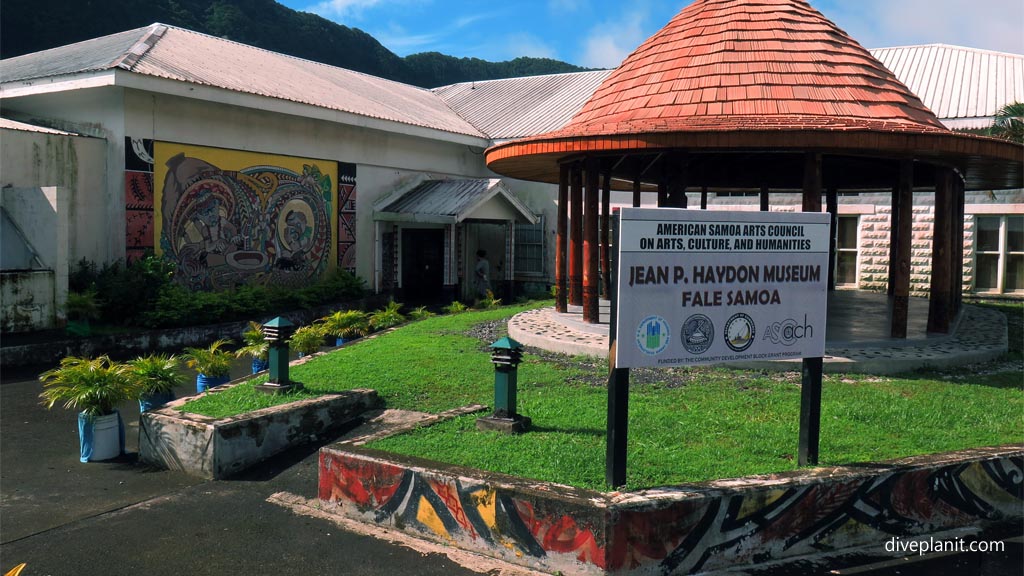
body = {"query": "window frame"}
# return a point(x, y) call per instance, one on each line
point(1002, 253)
point(542, 244)
point(855, 250)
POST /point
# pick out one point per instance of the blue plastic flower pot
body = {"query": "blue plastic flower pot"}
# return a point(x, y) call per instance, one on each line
point(259, 365)
point(100, 437)
point(152, 401)
point(204, 382)
point(340, 341)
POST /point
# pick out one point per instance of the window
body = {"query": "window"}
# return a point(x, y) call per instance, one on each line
point(847, 234)
point(999, 254)
point(530, 248)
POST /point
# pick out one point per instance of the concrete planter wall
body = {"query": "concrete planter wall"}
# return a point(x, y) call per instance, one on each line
point(219, 448)
point(677, 530)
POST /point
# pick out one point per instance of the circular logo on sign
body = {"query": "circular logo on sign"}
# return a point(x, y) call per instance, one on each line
point(652, 335)
point(698, 333)
point(739, 332)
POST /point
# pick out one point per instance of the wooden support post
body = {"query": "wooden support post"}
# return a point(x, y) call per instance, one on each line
point(637, 184)
point(939, 299)
point(662, 194)
point(576, 237)
point(812, 182)
point(703, 197)
point(764, 198)
point(561, 241)
point(957, 278)
point(675, 176)
point(894, 225)
point(810, 412)
point(832, 205)
point(617, 424)
point(591, 248)
point(901, 280)
point(606, 211)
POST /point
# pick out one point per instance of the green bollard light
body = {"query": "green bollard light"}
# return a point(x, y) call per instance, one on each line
point(277, 332)
point(506, 354)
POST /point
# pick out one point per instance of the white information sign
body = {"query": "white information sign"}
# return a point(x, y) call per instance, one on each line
point(702, 287)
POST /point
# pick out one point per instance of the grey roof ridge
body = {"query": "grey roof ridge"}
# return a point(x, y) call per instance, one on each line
point(289, 56)
point(944, 45)
point(514, 78)
point(153, 35)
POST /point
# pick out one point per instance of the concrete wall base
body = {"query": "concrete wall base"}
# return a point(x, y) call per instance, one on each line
point(685, 529)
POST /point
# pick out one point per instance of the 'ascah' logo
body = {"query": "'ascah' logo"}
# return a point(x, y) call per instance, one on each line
point(788, 331)
point(739, 332)
point(652, 335)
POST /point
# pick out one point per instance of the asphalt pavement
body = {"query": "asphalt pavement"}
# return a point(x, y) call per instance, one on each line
point(62, 517)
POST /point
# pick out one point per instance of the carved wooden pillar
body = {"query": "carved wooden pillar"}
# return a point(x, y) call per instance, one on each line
point(812, 182)
point(591, 304)
point(561, 242)
point(576, 237)
point(939, 298)
point(894, 224)
point(902, 235)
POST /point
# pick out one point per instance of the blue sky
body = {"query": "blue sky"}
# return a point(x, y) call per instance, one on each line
point(599, 33)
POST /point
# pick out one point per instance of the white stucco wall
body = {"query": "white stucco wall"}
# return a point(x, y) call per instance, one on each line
point(32, 161)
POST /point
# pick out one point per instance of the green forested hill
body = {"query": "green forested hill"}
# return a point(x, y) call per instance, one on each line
point(33, 25)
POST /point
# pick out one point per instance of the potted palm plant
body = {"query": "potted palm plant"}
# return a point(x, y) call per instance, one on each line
point(94, 387)
point(345, 325)
point(155, 377)
point(256, 347)
point(306, 340)
point(212, 363)
point(387, 316)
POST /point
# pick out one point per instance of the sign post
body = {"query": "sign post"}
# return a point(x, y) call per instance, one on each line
point(618, 386)
point(699, 287)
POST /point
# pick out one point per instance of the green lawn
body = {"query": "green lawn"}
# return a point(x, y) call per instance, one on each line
point(686, 425)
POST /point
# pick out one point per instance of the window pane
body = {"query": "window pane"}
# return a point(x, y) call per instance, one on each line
point(847, 233)
point(986, 233)
point(846, 268)
point(1015, 233)
point(1014, 280)
point(986, 273)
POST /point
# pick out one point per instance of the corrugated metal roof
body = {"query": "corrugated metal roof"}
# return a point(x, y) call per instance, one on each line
point(178, 54)
point(450, 200)
point(12, 125)
point(88, 56)
point(518, 107)
point(958, 84)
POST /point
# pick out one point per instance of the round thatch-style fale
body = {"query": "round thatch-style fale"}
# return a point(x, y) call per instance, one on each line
point(766, 95)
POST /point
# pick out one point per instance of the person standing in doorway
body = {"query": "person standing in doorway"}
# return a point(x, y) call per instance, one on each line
point(483, 274)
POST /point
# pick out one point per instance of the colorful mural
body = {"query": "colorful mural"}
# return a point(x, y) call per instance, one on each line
point(138, 195)
point(678, 532)
point(228, 217)
point(347, 217)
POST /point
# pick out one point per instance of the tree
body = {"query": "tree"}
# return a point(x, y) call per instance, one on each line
point(1009, 123)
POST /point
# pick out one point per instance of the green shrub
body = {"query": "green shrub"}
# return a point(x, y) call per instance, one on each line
point(387, 316)
point(307, 340)
point(488, 301)
point(254, 344)
point(93, 386)
point(347, 324)
point(420, 313)
point(155, 374)
point(455, 307)
point(213, 361)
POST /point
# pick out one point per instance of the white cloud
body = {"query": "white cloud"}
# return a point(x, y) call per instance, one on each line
point(564, 6)
point(341, 9)
point(610, 42)
point(987, 24)
point(525, 44)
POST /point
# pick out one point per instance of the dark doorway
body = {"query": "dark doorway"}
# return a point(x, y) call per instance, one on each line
point(422, 265)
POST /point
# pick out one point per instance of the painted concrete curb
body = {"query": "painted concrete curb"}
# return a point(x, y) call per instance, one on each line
point(219, 448)
point(684, 529)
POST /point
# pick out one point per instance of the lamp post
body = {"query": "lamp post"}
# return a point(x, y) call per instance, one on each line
point(506, 354)
point(277, 332)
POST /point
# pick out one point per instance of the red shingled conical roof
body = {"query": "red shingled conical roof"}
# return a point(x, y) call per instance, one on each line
point(749, 65)
point(768, 75)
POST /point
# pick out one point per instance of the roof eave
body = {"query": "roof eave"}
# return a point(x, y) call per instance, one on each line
point(62, 83)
